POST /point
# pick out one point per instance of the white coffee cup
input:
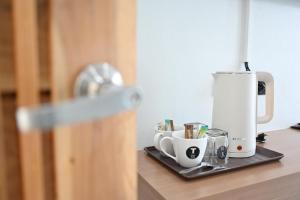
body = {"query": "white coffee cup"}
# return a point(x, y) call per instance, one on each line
point(159, 134)
point(188, 152)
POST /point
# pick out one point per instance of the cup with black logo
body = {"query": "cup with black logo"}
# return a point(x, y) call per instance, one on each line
point(217, 146)
point(188, 152)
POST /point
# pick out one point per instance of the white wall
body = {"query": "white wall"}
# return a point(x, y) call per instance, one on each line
point(274, 46)
point(180, 43)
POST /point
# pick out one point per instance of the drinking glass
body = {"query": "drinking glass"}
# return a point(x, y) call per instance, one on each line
point(217, 146)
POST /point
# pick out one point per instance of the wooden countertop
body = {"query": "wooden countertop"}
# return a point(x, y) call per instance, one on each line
point(279, 179)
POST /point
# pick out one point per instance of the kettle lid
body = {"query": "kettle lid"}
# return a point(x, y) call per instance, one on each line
point(235, 72)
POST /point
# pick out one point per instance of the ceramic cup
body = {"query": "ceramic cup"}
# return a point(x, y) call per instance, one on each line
point(188, 152)
point(159, 134)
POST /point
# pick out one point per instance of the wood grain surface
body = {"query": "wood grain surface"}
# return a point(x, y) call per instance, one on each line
point(12, 180)
point(3, 183)
point(7, 78)
point(11, 160)
point(12, 165)
point(93, 160)
point(276, 180)
point(26, 62)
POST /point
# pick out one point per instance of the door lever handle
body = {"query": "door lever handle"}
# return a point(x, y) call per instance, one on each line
point(99, 93)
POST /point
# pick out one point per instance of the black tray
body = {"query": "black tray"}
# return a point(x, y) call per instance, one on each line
point(261, 156)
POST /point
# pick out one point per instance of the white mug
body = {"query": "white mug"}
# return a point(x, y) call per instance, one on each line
point(188, 152)
point(159, 134)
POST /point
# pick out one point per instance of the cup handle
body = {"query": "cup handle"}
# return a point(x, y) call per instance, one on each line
point(162, 147)
point(156, 140)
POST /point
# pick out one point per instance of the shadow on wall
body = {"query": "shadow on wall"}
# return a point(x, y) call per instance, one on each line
point(285, 2)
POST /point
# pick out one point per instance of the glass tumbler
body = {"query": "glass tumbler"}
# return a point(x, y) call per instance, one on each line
point(217, 146)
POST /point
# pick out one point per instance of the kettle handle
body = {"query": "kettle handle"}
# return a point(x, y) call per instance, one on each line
point(268, 79)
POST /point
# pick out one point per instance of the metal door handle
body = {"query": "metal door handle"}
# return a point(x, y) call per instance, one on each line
point(99, 93)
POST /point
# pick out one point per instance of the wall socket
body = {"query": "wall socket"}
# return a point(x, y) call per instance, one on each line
point(261, 89)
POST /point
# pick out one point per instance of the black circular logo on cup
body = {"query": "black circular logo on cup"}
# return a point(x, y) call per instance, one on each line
point(222, 152)
point(192, 152)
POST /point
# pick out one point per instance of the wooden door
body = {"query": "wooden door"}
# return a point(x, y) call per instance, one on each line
point(91, 160)
point(94, 160)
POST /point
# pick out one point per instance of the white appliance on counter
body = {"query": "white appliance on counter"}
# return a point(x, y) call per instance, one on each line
point(235, 108)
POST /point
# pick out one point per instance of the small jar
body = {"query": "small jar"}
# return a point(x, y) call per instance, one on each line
point(217, 146)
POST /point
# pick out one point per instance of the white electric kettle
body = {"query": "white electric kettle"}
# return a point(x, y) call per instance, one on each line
point(235, 108)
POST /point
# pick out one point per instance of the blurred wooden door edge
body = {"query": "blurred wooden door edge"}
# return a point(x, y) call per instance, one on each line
point(3, 189)
point(26, 63)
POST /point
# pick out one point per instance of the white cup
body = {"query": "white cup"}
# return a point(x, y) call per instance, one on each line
point(188, 152)
point(159, 134)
